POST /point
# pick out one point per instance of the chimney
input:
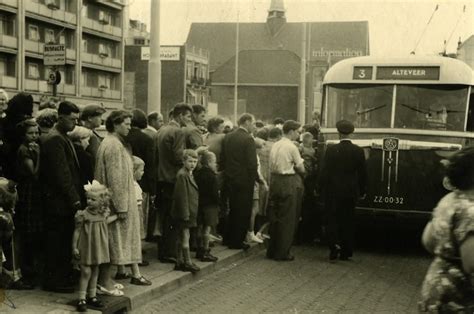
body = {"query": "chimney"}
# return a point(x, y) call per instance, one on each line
point(276, 16)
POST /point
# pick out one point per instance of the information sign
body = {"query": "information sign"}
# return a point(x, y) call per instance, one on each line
point(54, 54)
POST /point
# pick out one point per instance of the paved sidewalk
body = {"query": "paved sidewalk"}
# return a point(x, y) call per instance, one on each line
point(163, 277)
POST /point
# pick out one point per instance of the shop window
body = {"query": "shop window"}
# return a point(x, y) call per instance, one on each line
point(69, 75)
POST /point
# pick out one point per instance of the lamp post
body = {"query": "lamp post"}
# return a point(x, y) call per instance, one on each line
point(154, 65)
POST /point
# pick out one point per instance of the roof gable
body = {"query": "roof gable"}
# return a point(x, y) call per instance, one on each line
point(219, 39)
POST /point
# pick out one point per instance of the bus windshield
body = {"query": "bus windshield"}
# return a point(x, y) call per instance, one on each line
point(426, 107)
point(367, 106)
point(440, 107)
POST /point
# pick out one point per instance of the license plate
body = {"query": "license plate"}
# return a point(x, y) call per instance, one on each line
point(379, 199)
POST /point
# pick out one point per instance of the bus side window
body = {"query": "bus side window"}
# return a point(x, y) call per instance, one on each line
point(470, 114)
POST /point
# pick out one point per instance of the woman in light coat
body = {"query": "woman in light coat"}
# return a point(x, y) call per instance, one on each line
point(114, 169)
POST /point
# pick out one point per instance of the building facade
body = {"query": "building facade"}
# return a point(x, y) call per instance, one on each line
point(93, 35)
point(325, 43)
point(184, 76)
point(465, 51)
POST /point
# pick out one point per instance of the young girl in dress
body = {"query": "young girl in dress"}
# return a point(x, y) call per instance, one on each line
point(28, 215)
point(90, 242)
point(184, 210)
point(208, 210)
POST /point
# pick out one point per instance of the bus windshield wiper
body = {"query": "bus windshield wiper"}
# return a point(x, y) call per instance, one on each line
point(416, 109)
point(369, 109)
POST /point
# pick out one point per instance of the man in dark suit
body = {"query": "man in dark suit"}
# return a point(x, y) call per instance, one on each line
point(239, 163)
point(60, 178)
point(169, 143)
point(343, 182)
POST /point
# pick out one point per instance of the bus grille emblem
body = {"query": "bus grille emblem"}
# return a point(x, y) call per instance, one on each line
point(390, 145)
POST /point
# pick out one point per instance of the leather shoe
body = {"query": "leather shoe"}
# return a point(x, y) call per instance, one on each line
point(190, 267)
point(142, 281)
point(95, 302)
point(82, 306)
point(122, 276)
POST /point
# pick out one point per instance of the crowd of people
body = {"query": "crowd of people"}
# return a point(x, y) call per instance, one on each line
point(75, 206)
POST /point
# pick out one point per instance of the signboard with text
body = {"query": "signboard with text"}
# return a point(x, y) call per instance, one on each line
point(166, 53)
point(408, 73)
point(54, 54)
point(362, 73)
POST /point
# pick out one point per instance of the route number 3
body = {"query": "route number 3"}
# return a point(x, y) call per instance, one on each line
point(362, 73)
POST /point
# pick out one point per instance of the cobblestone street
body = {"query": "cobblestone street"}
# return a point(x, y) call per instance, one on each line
point(378, 280)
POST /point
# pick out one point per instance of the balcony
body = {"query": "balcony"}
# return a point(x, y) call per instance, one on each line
point(52, 13)
point(8, 41)
point(10, 3)
point(36, 85)
point(104, 61)
point(34, 46)
point(104, 28)
point(8, 82)
point(112, 94)
point(90, 91)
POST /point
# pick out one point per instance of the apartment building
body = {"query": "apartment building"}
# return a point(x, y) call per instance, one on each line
point(93, 34)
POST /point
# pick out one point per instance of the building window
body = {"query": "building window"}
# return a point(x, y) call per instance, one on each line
point(49, 36)
point(7, 25)
point(33, 33)
point(196, 70)
point(189, 70)
point(7, 65)
point(92, 79)
point(84, 45)
point(69, 75)
point(33, 71)
point(105, 17)
point(84, 10)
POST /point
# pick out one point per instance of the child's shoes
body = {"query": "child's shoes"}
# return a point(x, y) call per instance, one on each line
point(95, 302)
point(190, 267)
point(82, 306)
point(208, 257)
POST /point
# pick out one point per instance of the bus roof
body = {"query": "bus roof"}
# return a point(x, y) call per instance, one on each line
point(397, 70)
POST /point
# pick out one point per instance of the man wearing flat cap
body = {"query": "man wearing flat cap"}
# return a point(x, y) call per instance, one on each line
point(343, 181)
point(91, 117)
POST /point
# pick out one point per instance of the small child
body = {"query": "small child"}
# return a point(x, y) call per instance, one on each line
point(208, 211)
point(90, 243)
point(184, 210)
point(308, 153)
point(137, 278)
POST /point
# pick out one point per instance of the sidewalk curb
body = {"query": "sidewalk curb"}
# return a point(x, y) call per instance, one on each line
point(174, 280)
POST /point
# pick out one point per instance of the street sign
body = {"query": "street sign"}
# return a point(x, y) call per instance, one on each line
point(54, 77)
point(54, 54)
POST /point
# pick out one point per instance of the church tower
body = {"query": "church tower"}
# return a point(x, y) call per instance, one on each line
point(276, 16)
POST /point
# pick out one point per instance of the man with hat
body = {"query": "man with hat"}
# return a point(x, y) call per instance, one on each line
point(343, 181)
point(91, 117)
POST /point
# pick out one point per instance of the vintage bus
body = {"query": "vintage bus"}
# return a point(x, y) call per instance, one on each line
point(409, 114)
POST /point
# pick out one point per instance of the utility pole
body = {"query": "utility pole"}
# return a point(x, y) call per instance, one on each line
point(302, 96)
point(236, 74)
point(154, 65)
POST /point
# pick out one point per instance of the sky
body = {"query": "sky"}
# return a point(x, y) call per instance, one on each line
point(395, 26)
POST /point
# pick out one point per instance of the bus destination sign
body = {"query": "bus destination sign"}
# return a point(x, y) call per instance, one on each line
point(430, 73)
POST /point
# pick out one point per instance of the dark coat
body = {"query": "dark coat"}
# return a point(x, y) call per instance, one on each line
point(86, 164)
point(344, 172)
point(169, 144)
point(60, 174)
point(194, 137)
point(239, 158)
point(142, 147)
point(185, 198)
point(206, 180)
